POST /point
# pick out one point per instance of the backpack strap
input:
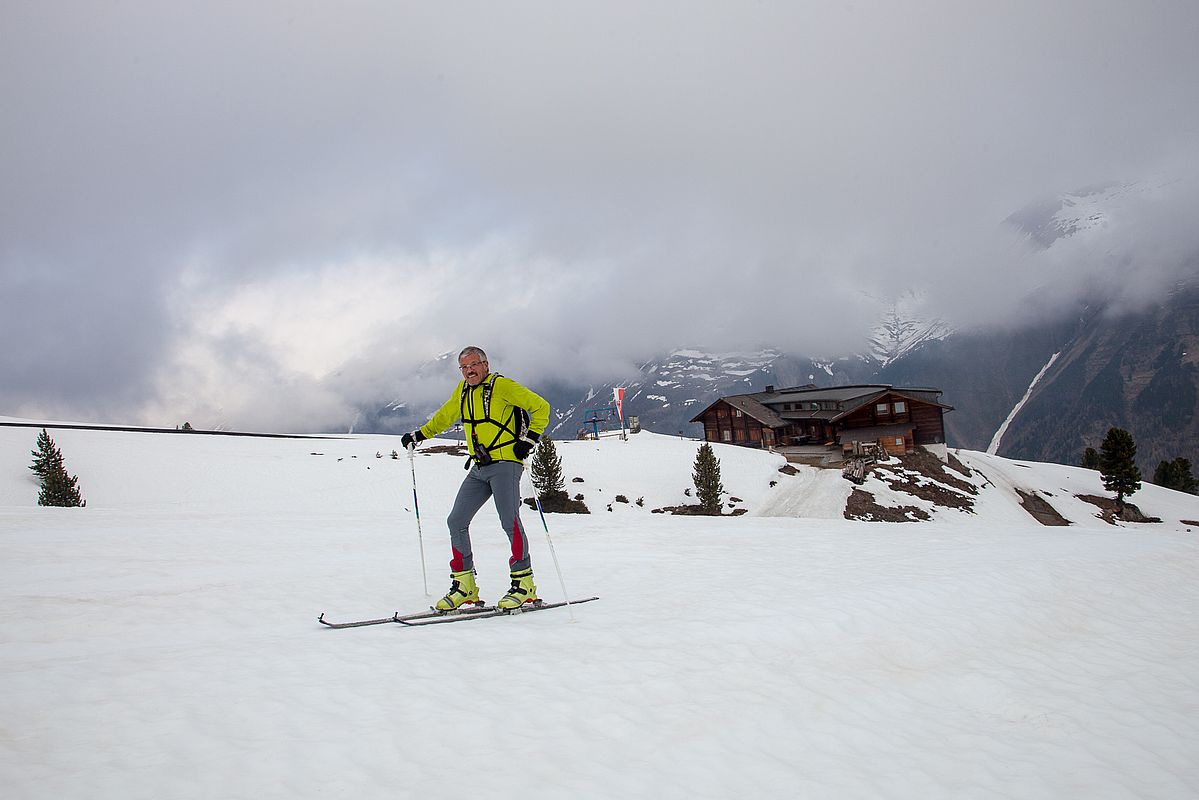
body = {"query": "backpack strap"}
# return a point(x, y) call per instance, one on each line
point(488, 386)
point(515, 426)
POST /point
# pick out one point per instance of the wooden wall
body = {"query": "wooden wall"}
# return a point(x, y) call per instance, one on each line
point(930, 423)
point(740, 428)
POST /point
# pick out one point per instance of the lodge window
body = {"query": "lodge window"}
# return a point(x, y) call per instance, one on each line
point(726, 436)
point(737, 413)
point(883, 409)
point(900, 407)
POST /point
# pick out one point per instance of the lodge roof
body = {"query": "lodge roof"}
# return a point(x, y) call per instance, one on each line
point(842, 393)
point(766, 407)
point(748, 405)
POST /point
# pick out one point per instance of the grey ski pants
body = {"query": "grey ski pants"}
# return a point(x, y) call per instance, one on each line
point(501, 480)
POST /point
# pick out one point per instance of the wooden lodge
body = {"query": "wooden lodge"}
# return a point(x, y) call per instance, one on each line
point(840, 417)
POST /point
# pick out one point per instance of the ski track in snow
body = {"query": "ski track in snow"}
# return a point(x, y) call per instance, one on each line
point(162, 643)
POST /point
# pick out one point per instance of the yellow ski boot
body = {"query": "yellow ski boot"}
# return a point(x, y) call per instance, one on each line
point(462, 591)
point(523, 591)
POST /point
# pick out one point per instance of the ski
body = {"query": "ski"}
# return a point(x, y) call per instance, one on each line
point(321, 619)
point(417, 621)
point(397, 617)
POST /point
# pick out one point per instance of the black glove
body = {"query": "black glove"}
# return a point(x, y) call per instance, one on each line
point(524, 446)
point(410, 440)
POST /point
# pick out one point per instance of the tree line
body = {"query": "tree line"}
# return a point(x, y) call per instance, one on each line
point(1116, 462)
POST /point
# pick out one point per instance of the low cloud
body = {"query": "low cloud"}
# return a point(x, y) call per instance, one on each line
point(268, 216)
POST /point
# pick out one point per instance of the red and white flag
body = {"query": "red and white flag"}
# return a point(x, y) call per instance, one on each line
point(618, 397)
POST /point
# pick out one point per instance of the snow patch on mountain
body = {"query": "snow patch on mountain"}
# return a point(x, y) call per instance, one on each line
point(993, 447)
point(905, 325)
point(678, 380)
point(1088, 209)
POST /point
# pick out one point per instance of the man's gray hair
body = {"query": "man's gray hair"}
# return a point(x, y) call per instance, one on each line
point(477, 352)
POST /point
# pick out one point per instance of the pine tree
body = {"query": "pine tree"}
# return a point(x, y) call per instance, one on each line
point(43, 455)
point(706, 477)
point(58, 487)
point(546, 468)
point(1176, 475)
point(1118, 465)
point(1090, 458)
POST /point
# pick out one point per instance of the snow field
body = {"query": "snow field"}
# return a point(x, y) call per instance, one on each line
point(162, 642)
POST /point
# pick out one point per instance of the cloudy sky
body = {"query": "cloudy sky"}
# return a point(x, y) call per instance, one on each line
point(262, 215)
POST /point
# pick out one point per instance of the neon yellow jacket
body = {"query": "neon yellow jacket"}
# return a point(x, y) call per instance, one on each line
point(499, 426)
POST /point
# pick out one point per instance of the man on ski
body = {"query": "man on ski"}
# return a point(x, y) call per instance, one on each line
point(502, 421)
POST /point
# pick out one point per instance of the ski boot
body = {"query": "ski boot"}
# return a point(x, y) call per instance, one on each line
point(523, 591)
point(462, 591)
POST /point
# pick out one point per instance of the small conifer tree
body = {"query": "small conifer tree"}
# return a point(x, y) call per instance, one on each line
point(1176, 475)
point(1090, 458)
point(43, 456)
point(549, 483)
point(706, 477)
point(546, 468)
point(58, 487)
point(1118, 465)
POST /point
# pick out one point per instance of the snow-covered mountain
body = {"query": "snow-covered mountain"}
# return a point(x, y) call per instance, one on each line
point(1087, 209)
point(1055, 386)
point(904, 326)
point(667, 391)
point(672, 387)
point(1133, 370)
point(669, 388)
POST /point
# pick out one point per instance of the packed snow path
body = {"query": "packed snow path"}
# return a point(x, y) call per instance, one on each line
point(812, 494)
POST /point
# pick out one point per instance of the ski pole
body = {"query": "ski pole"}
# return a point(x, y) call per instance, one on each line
point(416, 504)
point(553, 552)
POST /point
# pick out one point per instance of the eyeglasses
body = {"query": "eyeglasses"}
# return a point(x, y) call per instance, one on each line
point(472, 365)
